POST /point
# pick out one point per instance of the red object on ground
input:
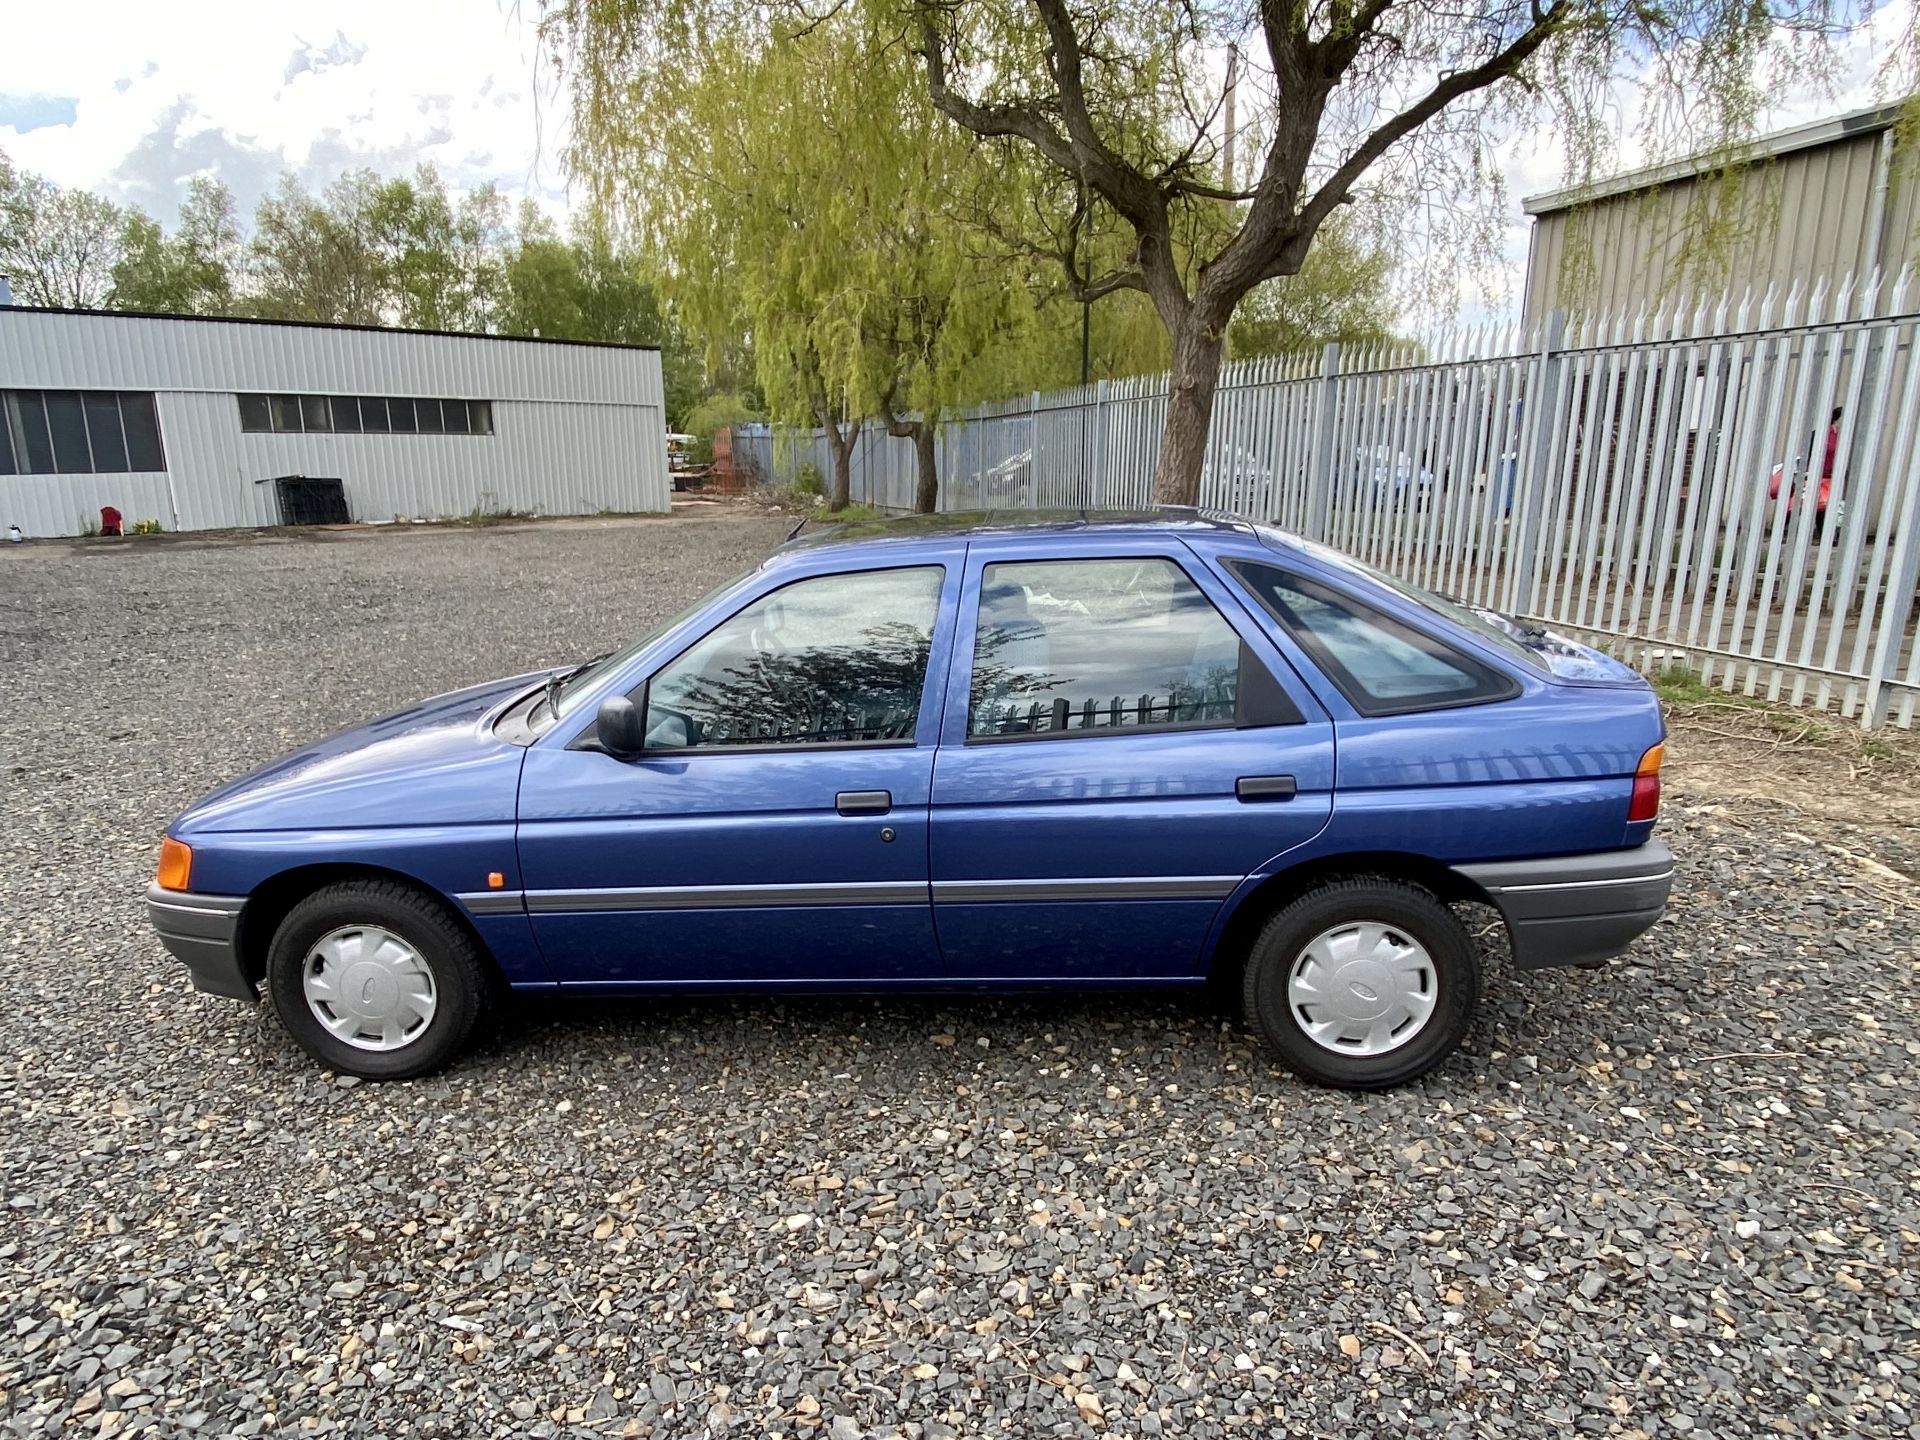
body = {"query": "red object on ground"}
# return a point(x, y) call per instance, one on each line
point(109, 520)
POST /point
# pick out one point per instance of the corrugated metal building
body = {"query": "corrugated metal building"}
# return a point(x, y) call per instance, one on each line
point(188, 421)
point(1821, 201)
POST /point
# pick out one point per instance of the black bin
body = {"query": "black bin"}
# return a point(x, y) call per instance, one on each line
point(311, 500)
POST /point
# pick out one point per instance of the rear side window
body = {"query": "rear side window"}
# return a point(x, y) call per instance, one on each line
point(1078, 647)
point(1382, 666)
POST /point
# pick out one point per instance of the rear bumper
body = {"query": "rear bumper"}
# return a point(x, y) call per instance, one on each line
point(1578, 908)
point(201, 930)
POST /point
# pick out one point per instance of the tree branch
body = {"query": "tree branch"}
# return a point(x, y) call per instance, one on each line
point(1129, 277)
point(1339, 186)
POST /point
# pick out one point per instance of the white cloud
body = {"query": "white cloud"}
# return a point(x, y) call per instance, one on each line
point(245, 90)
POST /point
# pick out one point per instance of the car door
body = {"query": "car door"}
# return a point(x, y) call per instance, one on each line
point(1121, 747)
point(774, 830)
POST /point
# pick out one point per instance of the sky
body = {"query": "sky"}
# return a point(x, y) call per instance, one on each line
point(130, 99)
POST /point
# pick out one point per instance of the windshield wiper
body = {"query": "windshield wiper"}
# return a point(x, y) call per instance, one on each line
point(562, 678)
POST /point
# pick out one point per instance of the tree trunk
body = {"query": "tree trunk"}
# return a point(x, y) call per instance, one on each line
point(926, 494)
point(840, 446)
point(1197, 348)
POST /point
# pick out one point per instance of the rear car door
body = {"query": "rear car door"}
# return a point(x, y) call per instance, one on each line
point(774, 829)
point(1121, 747)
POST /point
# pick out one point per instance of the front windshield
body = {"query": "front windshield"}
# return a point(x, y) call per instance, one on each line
point(573, 690)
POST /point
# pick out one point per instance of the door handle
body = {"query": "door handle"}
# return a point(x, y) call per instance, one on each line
point(1265, 787)
point(863, 802)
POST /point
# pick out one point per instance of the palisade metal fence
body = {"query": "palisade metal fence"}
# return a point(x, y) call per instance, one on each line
point(1651, 484)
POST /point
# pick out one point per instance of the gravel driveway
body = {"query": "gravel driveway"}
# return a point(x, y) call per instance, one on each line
point(1679, 1196)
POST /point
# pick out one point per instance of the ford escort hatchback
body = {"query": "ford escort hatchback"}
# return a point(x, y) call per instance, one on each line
point(1067, 750)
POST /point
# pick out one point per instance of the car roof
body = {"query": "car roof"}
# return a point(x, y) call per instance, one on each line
point(983, 524)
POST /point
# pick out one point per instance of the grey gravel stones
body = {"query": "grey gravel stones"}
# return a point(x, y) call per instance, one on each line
point(1675, 1197)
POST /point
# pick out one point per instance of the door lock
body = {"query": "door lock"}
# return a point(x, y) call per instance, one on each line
point(886, 833)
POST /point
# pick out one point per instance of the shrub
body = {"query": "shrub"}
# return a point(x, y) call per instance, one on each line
point(148, 526)
point(809, 481)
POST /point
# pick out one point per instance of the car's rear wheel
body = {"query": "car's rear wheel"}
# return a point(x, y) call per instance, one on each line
point(376, 979)
point(1362, 983)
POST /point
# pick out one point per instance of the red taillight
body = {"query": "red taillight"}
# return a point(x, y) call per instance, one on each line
point(1645, 804)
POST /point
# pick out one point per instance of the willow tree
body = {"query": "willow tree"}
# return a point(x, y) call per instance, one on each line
point(1395, 99)
point(798, 186)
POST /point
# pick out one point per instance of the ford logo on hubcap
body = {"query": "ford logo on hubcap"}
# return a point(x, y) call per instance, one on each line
point(1365, 992)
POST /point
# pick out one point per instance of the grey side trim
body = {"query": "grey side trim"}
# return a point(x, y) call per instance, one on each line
point(1151, 887)
point(1666, 874)
point(1651, 861)
point(183, 903)
point(727, 897)
point(493, 902)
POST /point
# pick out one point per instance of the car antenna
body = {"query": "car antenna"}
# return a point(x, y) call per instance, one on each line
point(795, 531)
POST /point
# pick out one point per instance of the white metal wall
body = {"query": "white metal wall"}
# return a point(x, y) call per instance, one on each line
point(577, 429)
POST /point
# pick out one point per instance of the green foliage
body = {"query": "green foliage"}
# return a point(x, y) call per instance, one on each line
point(149, 526)
point(823, 217)
point(1342, 294)
point(718, 412)
point(586, 289)
point(371, 251)
point(1679, 685)
point(57, 246)
point(810, 482)
point(190, 272)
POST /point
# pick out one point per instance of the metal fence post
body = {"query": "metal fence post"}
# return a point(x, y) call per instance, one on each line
point(1902, 579)
point(1528, 497)
point(1033, 448)
point(1098, 487)
point(1320, 472)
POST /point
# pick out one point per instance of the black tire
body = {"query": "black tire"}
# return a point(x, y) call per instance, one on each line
point(462, 976)
point(1409, 913)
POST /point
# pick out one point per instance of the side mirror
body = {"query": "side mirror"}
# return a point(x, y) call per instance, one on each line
point(619, 726)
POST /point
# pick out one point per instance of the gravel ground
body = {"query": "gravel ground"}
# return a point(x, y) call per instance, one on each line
point(1677, 1197)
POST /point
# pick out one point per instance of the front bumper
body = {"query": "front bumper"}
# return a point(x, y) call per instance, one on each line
point(1576, 909)
point(203, 930)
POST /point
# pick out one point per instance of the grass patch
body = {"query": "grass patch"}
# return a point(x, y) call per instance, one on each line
point(480, 516)
point(1679, 685)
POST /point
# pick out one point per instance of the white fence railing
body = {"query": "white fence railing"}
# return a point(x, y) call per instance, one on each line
point(1672, 487)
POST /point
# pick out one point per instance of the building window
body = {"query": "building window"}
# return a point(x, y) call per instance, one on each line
point(78, 432)
point(363, 415)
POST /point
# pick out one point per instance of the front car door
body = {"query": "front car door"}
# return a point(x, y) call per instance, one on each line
point(1121, 747)
point(775, 828)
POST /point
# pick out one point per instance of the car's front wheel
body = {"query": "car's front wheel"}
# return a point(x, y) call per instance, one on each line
point(1362, 983)
point(376, 979)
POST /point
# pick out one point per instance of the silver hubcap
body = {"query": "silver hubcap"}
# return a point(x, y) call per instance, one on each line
point(370, 988)
point(1363, 988)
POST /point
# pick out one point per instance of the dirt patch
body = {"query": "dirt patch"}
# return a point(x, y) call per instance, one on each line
point(1813, 763)
point(1843, 790)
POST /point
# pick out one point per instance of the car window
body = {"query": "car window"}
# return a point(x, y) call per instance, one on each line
point(1490, 632)
point(836, 660)
point(1382, 666)
point(1068, 646)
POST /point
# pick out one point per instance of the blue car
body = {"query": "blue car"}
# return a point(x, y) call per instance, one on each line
point(1065, 750)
